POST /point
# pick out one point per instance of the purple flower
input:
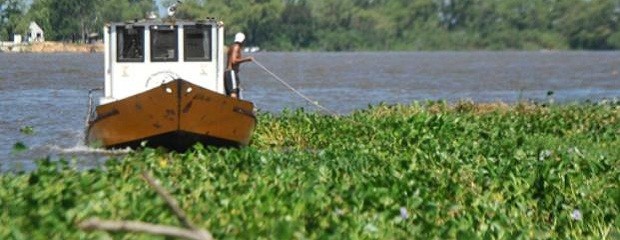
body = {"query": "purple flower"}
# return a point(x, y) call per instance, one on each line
point(403, 213)
point(576, 215)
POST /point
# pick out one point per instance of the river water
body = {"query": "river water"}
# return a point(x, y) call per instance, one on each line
point(48, 93)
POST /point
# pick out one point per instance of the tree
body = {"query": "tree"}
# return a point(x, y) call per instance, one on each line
point(74, 20)
point(40, 13)
point(10, 18)
point(453, 13)
point(346, 25)
point(297, 25)
point(589, 24)
point(123, 10)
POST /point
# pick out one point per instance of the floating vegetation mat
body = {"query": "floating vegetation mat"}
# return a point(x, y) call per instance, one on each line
point(431, 171)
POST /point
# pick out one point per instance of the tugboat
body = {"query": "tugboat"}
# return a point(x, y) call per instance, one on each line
point(164, 87)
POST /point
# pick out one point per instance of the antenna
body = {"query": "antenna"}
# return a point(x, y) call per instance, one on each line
point(173, 8)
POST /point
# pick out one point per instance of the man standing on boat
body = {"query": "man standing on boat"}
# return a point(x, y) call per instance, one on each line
point(231, 76)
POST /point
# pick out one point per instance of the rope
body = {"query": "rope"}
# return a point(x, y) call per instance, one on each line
point(309, 100)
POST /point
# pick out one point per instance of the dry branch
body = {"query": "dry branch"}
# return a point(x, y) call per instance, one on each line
point(172, 203)
point(142, 227)
point(189, 232)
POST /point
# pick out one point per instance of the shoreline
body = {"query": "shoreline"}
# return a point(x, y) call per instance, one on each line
point(52, 47)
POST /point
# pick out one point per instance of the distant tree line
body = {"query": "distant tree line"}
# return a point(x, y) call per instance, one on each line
point(67, 20)
point(346, 25)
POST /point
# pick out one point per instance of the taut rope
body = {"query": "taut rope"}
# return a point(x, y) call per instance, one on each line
point(315, 103)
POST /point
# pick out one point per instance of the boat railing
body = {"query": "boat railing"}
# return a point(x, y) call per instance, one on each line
point(91, 103)
point(91, 109)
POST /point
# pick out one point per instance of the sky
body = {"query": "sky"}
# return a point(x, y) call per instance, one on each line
point(161, 9)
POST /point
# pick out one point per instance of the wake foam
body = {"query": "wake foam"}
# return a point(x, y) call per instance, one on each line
point(86, 149)
point(81, 148)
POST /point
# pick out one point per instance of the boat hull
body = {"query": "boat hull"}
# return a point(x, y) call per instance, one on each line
point(175, 115)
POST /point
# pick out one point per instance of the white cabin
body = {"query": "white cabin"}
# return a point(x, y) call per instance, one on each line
point(144, 54)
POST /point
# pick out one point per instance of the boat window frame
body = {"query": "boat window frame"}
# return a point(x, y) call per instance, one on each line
point(120, 38)
point(208, 52)
point(153, 29)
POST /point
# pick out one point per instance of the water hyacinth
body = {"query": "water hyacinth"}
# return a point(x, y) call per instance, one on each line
point(544, 154)
point(339, 212)
point(27, 130)
point(575, 150)
point(19, 147)
point(389, 172)
point(371, 228)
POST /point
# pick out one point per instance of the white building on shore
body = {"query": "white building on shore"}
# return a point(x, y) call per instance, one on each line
point(35, 33)
point(17, 39)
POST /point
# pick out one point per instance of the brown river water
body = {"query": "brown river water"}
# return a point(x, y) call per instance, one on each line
point(49, 92)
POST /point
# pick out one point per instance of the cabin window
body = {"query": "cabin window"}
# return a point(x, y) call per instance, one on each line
point(130, 44)
point(197, 43)
point(164, 44)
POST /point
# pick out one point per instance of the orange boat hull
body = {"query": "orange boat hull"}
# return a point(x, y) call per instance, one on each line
point(175, 115)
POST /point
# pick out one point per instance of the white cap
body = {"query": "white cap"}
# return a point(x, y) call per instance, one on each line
point(239, 37)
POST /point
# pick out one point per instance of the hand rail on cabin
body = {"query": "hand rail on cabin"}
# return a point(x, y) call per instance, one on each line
point(170, 74)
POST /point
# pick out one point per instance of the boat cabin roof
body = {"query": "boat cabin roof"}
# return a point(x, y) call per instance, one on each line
point(165, 21)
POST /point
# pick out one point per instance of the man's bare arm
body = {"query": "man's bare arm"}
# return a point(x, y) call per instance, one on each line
point(236, 56)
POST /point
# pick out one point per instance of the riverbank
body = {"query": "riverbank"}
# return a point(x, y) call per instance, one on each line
point(52, 47)
point(391, 171)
